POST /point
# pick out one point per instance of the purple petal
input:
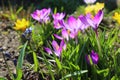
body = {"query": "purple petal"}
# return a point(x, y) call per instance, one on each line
point(58, 37)
point(81, 25)
point(46, 19)
point(98, 17)
point(72, 22)
point(48, 50)
point(45, 12)
point(58, 52)
point(65, 34)
point(63, 24)
point(94, 56)
point(62, 44)
point(35, 15)
point(57, 24)
point(90, 21)
point(84, 20)
point(58, 16)
point(55, 45)
point(73, 34)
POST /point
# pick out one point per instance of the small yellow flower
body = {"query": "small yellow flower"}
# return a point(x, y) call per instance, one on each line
point(116, 17)
point(21, 24)
point(89, 9)
point(98, 6)
point(93, 9)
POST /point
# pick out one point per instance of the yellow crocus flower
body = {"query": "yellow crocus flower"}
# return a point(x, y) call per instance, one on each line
point(89, 9)
point(21, 24)
point(98, 6)
point(93, 9)
point(116, 17)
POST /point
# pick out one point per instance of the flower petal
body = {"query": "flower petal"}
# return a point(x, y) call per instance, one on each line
point(62, 44)
point(72, 23)
point(94, 56)
point(48, 50)
point(55, 45)
point(65, 34)
point(58, 37)
point(98, 17)
point(58, 16)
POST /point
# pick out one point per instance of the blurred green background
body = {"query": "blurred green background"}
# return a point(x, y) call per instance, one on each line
point(68, 6)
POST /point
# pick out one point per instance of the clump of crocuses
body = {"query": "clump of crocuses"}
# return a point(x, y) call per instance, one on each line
point(92, 58)
point(72, 26)
point(69, 28)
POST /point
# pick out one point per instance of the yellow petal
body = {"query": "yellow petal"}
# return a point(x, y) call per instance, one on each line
point(21, 24)
point(89, 9)
point(98, 6)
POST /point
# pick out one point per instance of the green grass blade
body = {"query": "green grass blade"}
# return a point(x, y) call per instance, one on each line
point(2, 78)
point(20, 62)
point(77, 73)
point(20, 9)
point(35, 62)
point(58, 64)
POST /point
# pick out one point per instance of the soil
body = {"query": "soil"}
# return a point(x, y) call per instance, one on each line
point(9, 43)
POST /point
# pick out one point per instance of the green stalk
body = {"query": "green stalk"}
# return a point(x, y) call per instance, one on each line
point(94, 72)
point(99, 46)
point(115, 65)
point(48, 66)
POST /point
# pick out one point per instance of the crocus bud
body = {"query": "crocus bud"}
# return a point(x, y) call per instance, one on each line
point(92, 58)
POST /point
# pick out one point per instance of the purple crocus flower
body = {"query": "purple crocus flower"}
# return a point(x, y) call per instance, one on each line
point(94, 22)
point(72, 26)
point(89, 1)
point(92, 58)
point(57, 49)
point(58, 17)
point(41, 15)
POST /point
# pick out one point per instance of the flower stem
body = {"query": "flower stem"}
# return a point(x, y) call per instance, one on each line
point(99, 47)
point(94, 72)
